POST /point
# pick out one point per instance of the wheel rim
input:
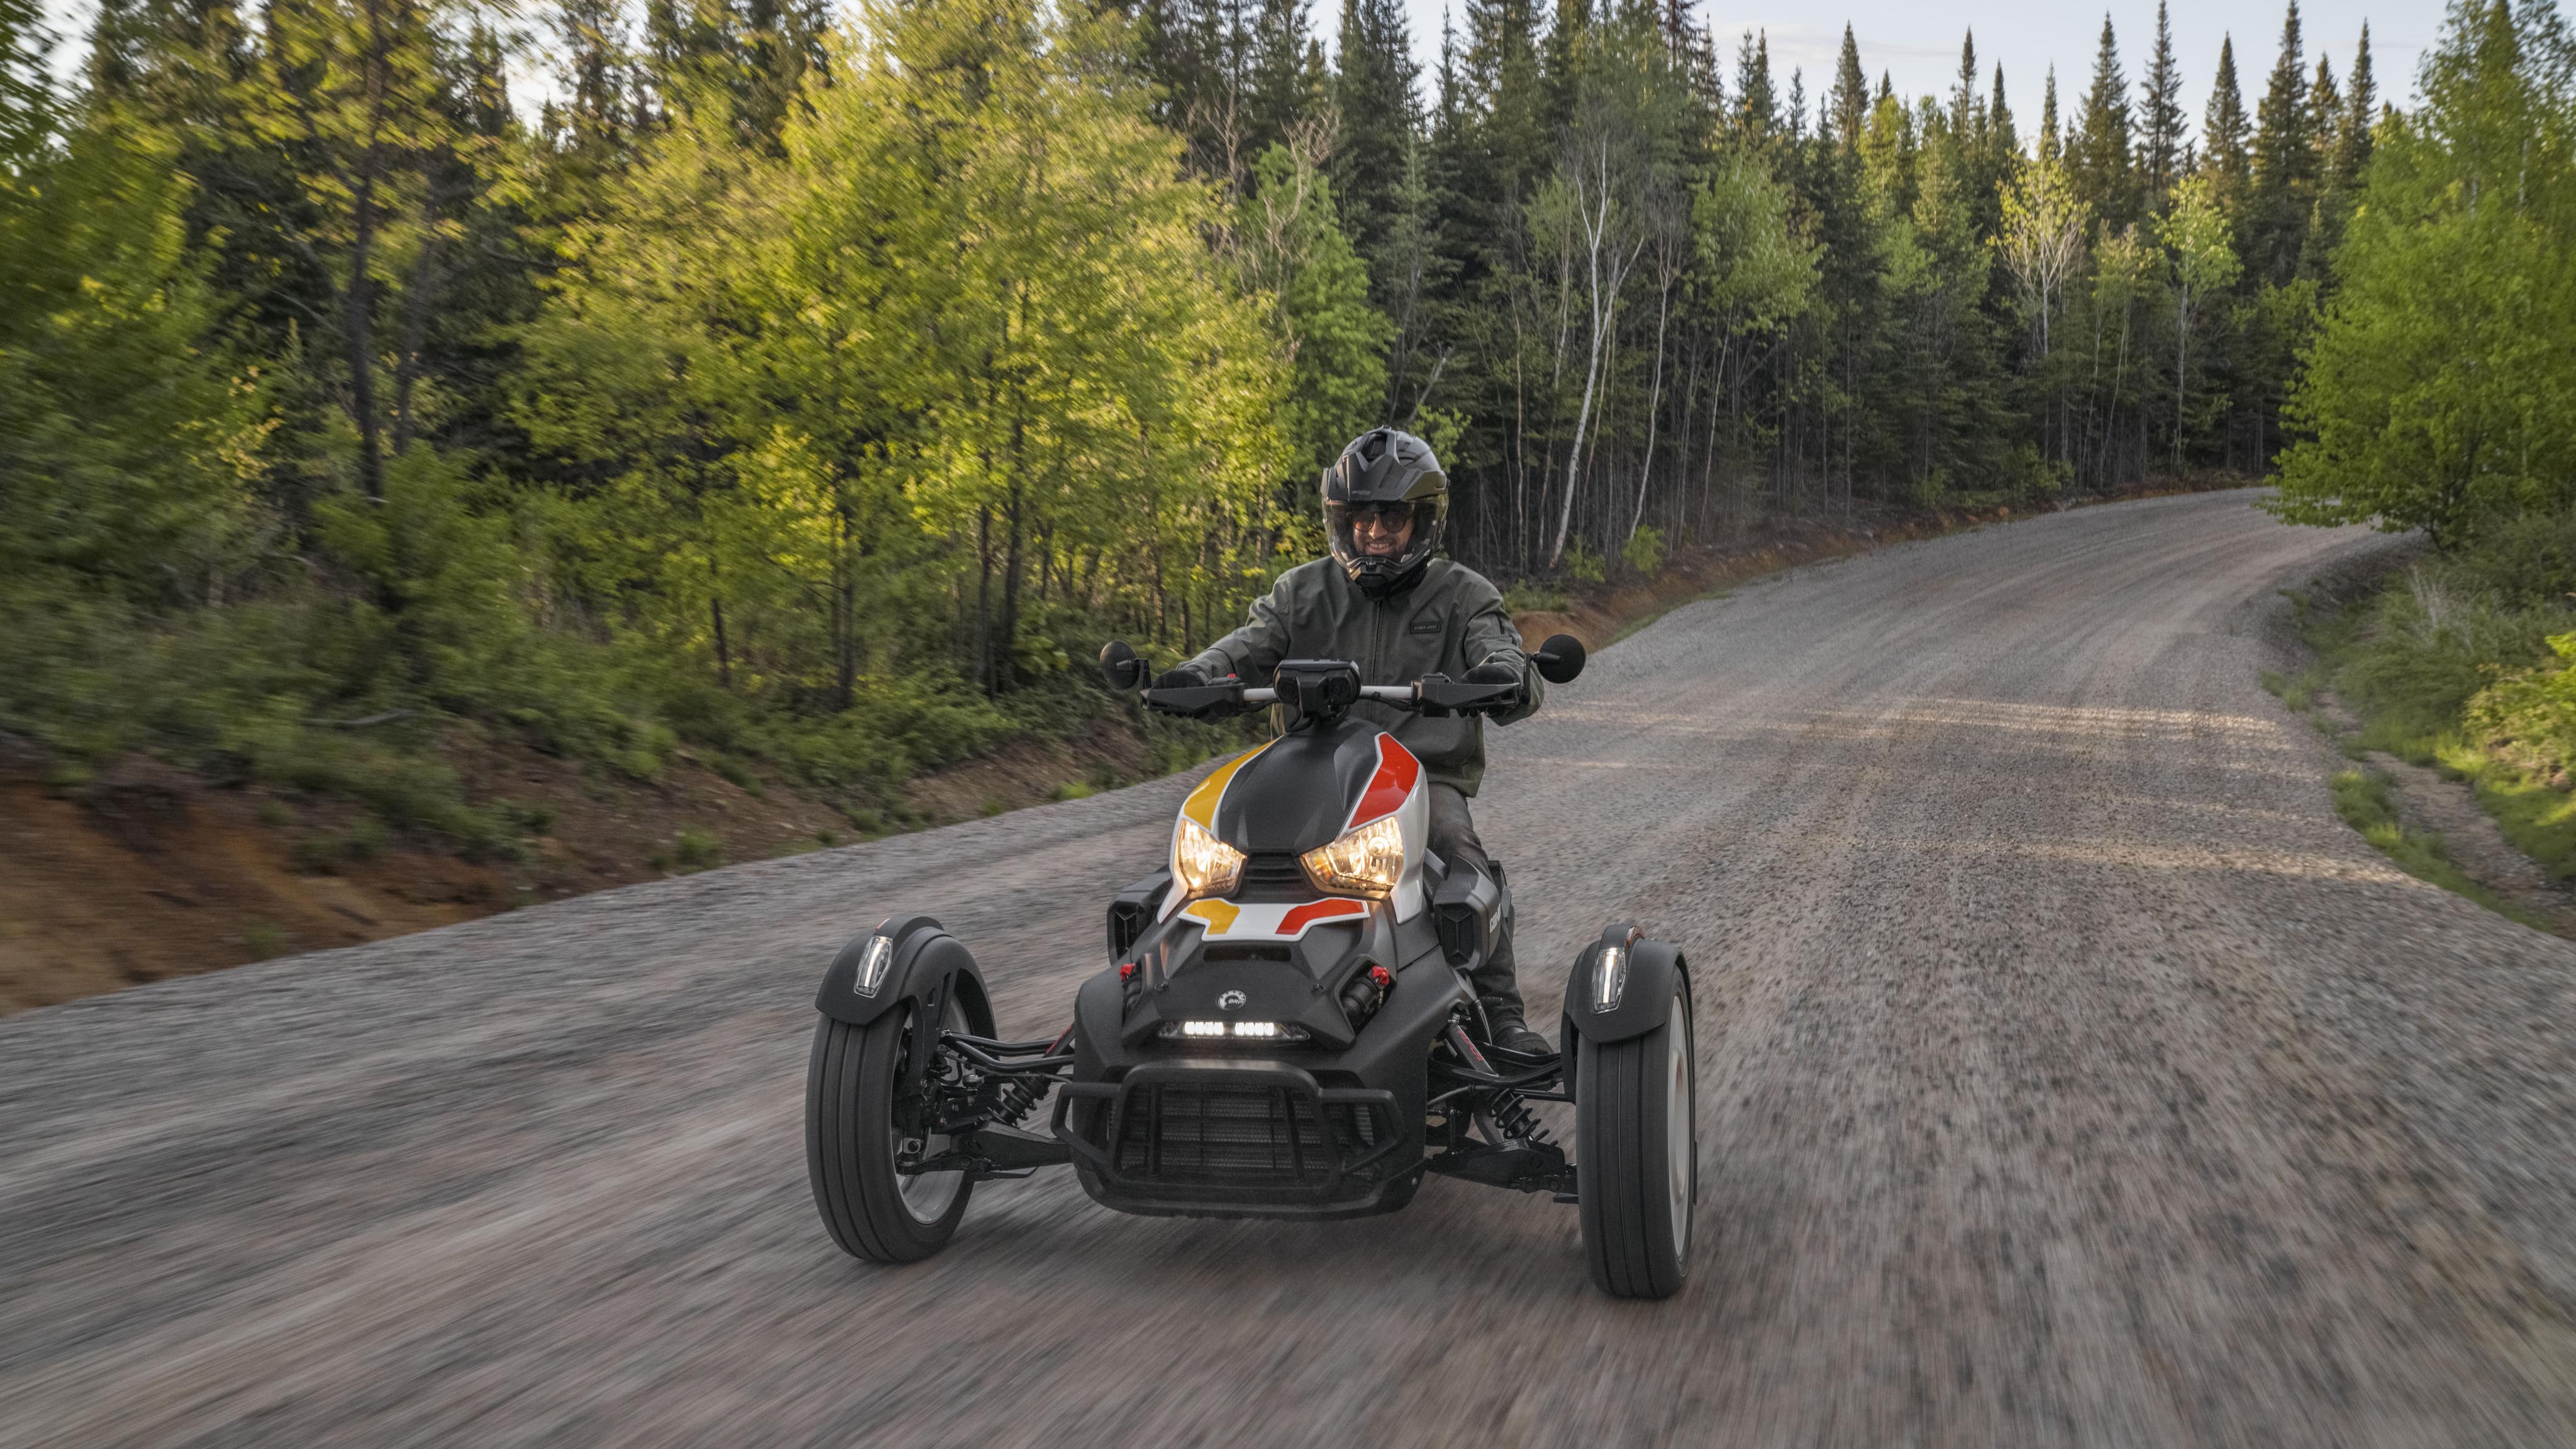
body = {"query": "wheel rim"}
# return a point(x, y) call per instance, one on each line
point(1680, 1157)
point(927, 1196)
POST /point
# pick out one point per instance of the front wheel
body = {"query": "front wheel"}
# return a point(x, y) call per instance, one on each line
point(851, 1144)
point(1636, 1123)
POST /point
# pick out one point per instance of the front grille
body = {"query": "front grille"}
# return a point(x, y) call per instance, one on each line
point(1274, 876)
point(1236, 1136)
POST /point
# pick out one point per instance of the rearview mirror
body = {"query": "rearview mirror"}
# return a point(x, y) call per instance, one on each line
point(1120, 668)
point(1559, 659)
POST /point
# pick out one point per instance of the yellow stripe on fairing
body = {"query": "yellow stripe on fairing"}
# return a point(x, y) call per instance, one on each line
point(1219, 915)
point(1201, 806)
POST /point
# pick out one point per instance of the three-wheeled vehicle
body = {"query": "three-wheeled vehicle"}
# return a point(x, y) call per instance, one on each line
point(1284, 1028)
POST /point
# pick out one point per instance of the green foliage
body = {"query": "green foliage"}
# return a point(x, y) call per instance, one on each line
point(1526, 596)
point(807, 403)
point(1292, 251)
point(2535, 813)
point(2439, 392)
point(1644, 553)
point(2364, 801)
point(690, 850)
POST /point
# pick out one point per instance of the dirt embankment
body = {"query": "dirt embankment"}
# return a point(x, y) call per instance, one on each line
point(149, 872)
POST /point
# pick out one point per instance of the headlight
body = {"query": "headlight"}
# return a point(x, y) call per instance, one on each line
point(1204, 865)
point(1365, 861)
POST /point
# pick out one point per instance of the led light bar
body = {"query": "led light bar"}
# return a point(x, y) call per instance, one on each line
point(1233, 1031)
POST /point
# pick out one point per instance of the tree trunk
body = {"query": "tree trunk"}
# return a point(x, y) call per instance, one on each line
point(984, 597)
point(724, 656)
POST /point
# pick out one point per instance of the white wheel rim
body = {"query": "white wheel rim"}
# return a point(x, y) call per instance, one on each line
point(926, 1196)
point(1679, 1157)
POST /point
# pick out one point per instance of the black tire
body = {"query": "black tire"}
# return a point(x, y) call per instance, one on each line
point(873, 1211)
point(1636, 1125)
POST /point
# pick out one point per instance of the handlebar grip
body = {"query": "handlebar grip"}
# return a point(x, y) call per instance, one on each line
point(1199, 701)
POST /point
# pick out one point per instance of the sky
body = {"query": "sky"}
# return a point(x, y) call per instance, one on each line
point(1917, 45)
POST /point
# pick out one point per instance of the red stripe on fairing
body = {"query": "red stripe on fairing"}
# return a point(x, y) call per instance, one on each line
point(1313, 911)
point(1397, 769)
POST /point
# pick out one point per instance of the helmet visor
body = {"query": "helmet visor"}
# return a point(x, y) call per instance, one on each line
point(1388, 535)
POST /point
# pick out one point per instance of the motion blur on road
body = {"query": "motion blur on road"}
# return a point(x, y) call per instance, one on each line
point(2070, 1074)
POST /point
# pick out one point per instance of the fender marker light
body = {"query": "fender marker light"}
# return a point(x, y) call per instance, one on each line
point(872, 966)
point(1609, 978)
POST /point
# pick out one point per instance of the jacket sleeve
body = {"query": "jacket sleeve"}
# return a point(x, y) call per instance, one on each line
point(1256, 648)
point(1489, 636)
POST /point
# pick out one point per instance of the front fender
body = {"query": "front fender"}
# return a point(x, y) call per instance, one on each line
point(1643, 1004)
point(924, 956)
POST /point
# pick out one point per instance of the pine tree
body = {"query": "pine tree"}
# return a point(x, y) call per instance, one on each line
point(2343, 120)
point(1283, 86)
point(1848, 101)
point(2098, 154)
point(2222, 139)
point(1757, 108)
point(2325, 113)
point(1964, 117)
point(2160, 123)
point(1373, 93)
point(2285, 165)
point(2048, 139)
point(2000, 137)
point(2352, 129)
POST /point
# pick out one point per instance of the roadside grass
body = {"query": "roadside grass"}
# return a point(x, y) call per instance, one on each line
point(2400, 663)
point(2538, 817)
point(2363, 799)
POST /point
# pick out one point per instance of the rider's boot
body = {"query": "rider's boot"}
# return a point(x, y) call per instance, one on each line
point(1498, 987)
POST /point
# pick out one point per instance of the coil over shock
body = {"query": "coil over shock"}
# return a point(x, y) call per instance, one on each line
point(1007, 1099)
point(1517, 1122)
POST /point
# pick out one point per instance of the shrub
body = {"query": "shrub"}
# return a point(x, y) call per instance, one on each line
point(1644, 552)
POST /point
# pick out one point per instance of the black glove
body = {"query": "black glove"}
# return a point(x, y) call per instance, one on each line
point(1180, 676)
point(1496, 671)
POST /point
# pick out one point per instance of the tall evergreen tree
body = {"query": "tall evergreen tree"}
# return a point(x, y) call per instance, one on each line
point(1379, 117)
point(2284, 165)
point(1757, 107)
point(2000, 136)
point(2098, 154)
point(2222, 138)
point(1284, 82)
point(2160, 122)
point(2048, 137)
point(1964, 118)
point(2360, 113)
point(1848, 101)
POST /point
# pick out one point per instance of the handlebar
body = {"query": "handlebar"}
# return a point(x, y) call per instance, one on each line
point(1433, 694)
point(1323, 688)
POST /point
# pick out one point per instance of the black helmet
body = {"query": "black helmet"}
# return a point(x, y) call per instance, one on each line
point(1385, 469)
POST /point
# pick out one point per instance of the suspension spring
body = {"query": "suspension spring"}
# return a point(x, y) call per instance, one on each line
point(1011, 1099)
point(1515, 1119)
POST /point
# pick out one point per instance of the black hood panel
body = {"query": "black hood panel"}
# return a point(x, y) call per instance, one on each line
point(1295, 795)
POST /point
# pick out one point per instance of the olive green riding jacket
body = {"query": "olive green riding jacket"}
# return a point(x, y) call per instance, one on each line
point(1450, 622)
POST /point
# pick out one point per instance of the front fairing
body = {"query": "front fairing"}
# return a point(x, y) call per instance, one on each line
point(1291, 796)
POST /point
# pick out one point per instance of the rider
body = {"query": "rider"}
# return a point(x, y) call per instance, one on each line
point(1385, 603)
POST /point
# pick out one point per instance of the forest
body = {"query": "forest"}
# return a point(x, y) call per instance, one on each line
point(816, 389)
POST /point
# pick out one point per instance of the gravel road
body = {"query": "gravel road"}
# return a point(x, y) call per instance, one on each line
point(2070, 1075)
